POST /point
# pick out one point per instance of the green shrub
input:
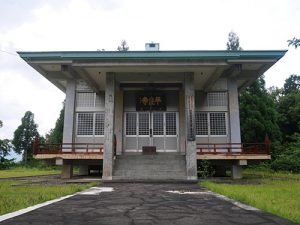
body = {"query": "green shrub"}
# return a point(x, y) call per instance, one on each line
point(289, 163)
point(289, 159)
point(6, 163)
point(205, 169)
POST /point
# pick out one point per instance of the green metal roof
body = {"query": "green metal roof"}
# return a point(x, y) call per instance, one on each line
point(83, 55)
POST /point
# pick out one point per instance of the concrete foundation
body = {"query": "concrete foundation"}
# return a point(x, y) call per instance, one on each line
point(236, 172)
point(67, 171)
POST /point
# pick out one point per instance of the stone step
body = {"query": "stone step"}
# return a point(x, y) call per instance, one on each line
point(150, 167)
point(145, 178)
point(151, 157)
point(149, 163)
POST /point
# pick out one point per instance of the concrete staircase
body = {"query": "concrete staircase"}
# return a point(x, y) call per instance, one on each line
point(161, 166)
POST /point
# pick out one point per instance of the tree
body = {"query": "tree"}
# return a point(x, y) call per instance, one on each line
point(289, 108)
point(233, 43)
point(55, 135)
point(5, 147)
point(258, 114)
point(24, 136)
point(292, 84)
point(123, 47)
point(295, 42)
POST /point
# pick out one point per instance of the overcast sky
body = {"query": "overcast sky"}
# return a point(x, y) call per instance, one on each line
point(58, 25)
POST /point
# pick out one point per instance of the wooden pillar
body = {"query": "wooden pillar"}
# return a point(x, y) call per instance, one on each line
point(108, 156)
point(191, 157)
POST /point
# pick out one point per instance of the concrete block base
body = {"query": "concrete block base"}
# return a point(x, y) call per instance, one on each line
point(236, 172)
point(67, 171)
point(59, 161)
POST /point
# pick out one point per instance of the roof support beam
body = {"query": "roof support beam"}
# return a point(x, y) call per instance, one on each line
point(87, 78)
point(46, 75)
point(57, 84)
point(67, 71)
point(232, 72)
point(258, 73)
point(150, 64)
point(213, 78)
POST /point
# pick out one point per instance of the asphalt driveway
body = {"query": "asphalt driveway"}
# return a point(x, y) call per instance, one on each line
point(138, 203)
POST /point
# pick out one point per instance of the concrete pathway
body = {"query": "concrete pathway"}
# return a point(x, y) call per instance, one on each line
point(137, 203)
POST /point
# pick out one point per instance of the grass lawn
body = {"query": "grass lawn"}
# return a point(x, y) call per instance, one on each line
point(270, 174)
point(13, 198)
point(274, 193)
point(24, 171)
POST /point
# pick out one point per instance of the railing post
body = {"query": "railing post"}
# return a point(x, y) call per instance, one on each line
point(267, 144)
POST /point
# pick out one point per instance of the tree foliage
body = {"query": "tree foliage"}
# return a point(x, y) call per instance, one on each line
point(5, 147)
point(233, 43)
point(288, 107)
point(295, 42)
point(123, 47)
point(289, 156)
point(258, 114)
point(55, 135)
point(24, 136)
point(292, 84)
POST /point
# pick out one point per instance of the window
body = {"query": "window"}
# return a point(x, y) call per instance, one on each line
point(90, 124)
point(211, 123)
point(85, 124)
point(99, 123)
point(88, 99)
point(217, 124)
point(217, 99)
point(201, 123)
point(85, 99)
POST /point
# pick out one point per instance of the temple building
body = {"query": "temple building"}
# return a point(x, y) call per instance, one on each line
point(151, 115)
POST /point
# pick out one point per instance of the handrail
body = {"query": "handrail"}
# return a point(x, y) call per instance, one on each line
point(232, 148)
point(68, 148)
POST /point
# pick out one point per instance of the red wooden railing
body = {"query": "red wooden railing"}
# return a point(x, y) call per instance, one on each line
point(71, 148)
point(68, 148)
point(234, 148)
